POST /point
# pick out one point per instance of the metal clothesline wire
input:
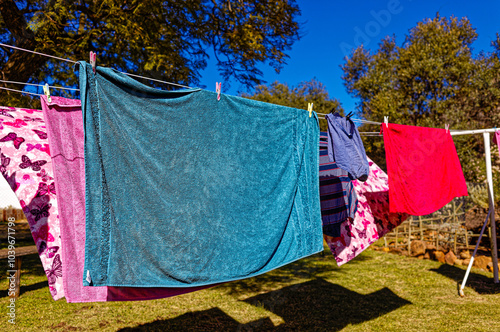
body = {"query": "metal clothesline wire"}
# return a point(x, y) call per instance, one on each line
point(40, 85)
point(353, 119)
point(68, 60)
point(133, 75)
point(30, 93)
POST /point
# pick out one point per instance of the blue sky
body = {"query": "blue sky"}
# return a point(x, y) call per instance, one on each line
point(331, 28)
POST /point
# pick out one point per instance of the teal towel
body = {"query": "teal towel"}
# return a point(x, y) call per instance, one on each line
point(184, 190)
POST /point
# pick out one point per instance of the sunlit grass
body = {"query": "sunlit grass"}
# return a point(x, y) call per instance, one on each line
point(374, 292)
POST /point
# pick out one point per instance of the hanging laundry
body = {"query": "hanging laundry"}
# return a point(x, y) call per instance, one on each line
point(424, 170)
point(65, 133)
point(345, 146)
point(372, 221)
point(338, 197)
point(185, 190)
point(26, 165)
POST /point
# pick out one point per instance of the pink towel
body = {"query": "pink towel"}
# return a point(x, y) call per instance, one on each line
point(65, 129)
point(496, 140)
point(372, 221)
point(26, 165)
point(424, 170)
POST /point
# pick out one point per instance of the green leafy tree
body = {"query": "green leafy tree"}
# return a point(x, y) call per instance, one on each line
point(169, 40)
point(305, 92)
point(432, 79)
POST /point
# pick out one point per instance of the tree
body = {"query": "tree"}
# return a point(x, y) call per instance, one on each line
point(305, 92)
point(431, 80)
point(160, 39)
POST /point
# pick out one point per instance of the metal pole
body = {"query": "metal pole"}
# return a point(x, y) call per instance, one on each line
point(461, 290)
point(470, 132)
point(489, 176)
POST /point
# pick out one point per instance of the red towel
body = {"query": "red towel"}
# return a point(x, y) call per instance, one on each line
point(423, 167)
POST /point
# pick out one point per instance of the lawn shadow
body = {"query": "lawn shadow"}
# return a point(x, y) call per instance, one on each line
point(307, 268)
point(309, 306)
point(31, 265)
point(478, 282)
point(321, 305)
point(207, 320)
point(24, 289)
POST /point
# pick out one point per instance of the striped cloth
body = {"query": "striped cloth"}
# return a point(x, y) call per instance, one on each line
point(337, 195)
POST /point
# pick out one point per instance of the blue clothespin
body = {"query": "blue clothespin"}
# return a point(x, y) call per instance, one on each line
point(46, 91)
point(218, 88)
point(310, 108)
point(93, 60)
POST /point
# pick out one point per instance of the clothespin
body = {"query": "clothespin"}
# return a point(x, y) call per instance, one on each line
point(218, 88)
point(93, 60)
point(310, 108)
point(46, 91)
point(447, 127)
point(386, 121)
point(348, 116)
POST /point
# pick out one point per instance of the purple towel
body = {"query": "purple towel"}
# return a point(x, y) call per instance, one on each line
point(64, 123)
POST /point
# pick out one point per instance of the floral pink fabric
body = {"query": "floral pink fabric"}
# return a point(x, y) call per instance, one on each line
point(26, 165)
point(373, 219)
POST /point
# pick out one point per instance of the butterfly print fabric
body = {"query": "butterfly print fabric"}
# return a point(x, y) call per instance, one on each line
point(24, 165)
point(17, 141)
point(372, 220)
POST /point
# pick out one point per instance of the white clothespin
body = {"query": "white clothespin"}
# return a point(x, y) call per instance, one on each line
point(386, 121)
point(310, 108)
point(46, 91)
point(447, 127)
point(93, 60)
point(218, 88)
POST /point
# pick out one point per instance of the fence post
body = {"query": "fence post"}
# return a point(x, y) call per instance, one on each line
point(409, 234)
point(437, 238)
point(454, 212)
point(455, 242)
point(396, 243)
point(421, 229)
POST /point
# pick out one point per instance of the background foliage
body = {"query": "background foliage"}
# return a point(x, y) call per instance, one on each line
point(432, 79)
point(169, 40)
point(305, 92)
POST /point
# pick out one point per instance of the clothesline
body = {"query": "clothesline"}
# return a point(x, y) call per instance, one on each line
point(68, 60)
point(132, 75)
point(30, 93)
point(470, 132)
point(40, 85)
point(452, 132)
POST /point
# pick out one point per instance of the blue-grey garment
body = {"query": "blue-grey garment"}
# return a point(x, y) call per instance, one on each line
point(346, 148)
point(183, 190)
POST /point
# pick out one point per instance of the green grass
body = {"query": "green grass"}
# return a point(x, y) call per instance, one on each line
point(19, 243)
point(374, 292)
